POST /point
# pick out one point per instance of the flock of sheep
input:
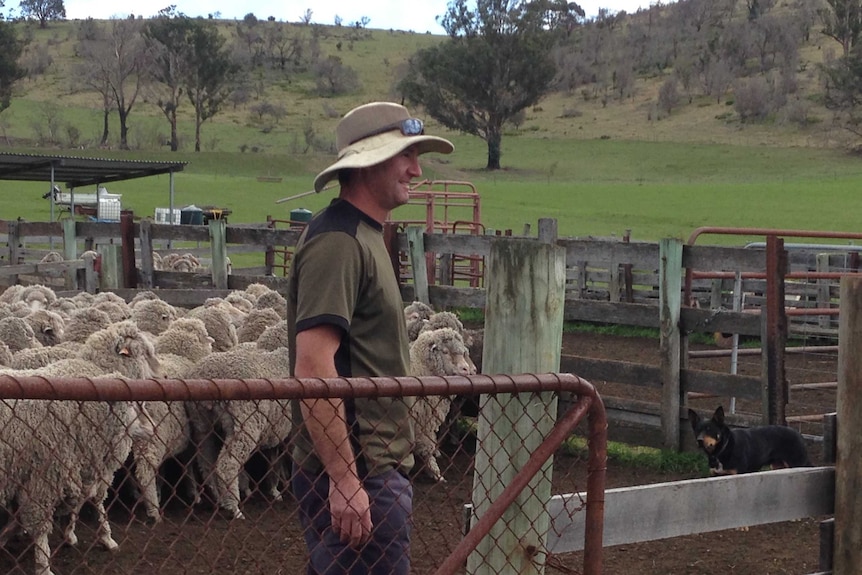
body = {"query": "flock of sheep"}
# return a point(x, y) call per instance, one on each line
point(57, 455)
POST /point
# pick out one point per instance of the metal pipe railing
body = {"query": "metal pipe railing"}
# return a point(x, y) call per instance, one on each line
point(588, 403)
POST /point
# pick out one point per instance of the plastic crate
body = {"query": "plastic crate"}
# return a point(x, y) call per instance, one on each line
point(163, 216)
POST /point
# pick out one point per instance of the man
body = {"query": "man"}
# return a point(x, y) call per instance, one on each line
point(345, 319)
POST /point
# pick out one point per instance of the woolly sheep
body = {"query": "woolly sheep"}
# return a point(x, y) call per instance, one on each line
point(84, 323)
point(239, 301)
point(48, 326)
point(38, 296)
point(171, 436)
point(246, 425)
point(256, 322)
point(273, 337)
point(51, 258)
point(272, 300)
point(62, 452)
point(64, 306)
point(11, 294)
point(83, 299)
point(116, 311)
point(144, 295)
point(255, 290)
point(438, 352)
point(219, 326)
point(36, 357)
point(418, 310)
point(153, 316)
point(119, 348)
point(16, 333)
point(186, 337)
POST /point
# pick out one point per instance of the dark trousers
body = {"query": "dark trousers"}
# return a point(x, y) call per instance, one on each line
point(388, 551)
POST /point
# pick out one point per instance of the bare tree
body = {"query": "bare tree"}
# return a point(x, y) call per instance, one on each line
point(842, 22)
point(93, 72)
point(123, 60)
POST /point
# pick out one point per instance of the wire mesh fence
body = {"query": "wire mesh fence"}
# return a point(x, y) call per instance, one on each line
point(194, 476)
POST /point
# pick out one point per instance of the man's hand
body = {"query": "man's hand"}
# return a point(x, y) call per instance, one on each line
point(350, 511)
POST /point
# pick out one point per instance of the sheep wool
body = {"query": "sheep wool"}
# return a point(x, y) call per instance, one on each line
point(247, 425)
point(48, 326)
point(186, 337)
point(17, 334)
point(153, 316)
point(84, 323)
point(438, 352)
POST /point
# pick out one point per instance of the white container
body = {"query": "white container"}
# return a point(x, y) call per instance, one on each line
point(109, 210)
point(163, 216)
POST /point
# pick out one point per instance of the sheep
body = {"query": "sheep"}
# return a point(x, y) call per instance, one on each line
point(52, 257)
point(48, 326)
point(272, 300)
point(186, 337)
point(116, 311)
point(11, 294)
point(38, 296)
point(171, 436)
point(240, 302)
point(5, 355)
point(438, 352)
point(219, 326)
point(84, 323)
point(273, 337)
point(153, 316)
point(55, 453)
point(119, 348)
point(144, 295)
point(255, 290)
point(64, 306)
point(83, 299)
point(416, 315)
point(256, 322)
point(36, 357)
point(245, 425)
point(16, 333)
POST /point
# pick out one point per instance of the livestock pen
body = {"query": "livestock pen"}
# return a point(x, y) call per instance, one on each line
point(655, 303)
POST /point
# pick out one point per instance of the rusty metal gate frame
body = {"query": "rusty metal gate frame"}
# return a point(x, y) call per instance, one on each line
point(587, 402)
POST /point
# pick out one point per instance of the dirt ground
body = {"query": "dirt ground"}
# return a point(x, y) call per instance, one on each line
point(201, 540)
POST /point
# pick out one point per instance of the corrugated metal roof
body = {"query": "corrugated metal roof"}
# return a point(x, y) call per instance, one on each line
point(76, 172)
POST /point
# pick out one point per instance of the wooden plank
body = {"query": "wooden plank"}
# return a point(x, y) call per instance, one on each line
point(145, 274)
point(848, 465)
point(417, 263)
point(218, 266)
point(670, 284)
point(526, 285)
point(662, 510)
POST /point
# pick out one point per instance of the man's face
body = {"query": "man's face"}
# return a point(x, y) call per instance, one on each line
point(390, 180)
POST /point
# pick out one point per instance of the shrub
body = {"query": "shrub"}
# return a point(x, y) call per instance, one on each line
point(752, 99)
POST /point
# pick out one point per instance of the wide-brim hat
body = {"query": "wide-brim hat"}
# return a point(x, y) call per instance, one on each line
point(374, 133)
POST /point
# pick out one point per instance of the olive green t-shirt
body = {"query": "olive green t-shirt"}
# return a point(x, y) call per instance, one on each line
point(341, 274)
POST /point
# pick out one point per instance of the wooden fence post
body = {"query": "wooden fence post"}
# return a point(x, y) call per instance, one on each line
point(127, 238)
point(523, 334)
point(145, 238)
point(70, 250)
point(670, 298)
point(774, 334)
point(848, 466)
point(416, 245)
point(218, 245)
point(112, 266)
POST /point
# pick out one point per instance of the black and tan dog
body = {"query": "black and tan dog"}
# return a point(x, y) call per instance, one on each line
point(733, 451)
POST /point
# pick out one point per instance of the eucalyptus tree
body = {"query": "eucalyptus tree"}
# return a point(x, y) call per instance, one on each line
point(43, 10)
point(496, 62)
point(10, 72)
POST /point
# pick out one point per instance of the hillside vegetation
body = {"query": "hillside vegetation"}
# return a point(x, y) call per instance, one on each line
point(603, 156)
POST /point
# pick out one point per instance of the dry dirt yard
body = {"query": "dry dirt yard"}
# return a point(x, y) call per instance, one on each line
point(201, 540)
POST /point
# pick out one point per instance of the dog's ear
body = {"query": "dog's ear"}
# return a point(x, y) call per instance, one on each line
point(718, 416)
point(693, 419)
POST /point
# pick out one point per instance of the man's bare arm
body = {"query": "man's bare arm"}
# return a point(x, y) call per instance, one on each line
point(326, 422)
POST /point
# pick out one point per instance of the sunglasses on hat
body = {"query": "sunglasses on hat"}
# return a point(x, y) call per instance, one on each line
point(408, 127)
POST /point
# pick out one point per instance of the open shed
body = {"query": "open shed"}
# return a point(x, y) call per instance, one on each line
point(76, 172)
